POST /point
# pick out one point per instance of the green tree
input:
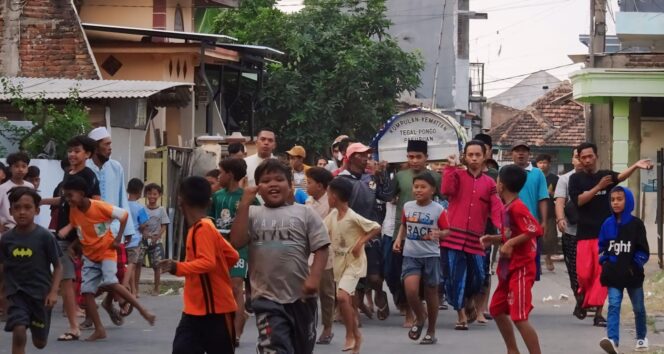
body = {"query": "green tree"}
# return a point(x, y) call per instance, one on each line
point(52, 126)
point(342, 72)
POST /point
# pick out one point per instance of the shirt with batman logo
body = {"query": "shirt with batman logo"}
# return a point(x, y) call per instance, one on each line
point(27, 260)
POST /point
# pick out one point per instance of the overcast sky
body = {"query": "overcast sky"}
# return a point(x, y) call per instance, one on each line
point(523, 36)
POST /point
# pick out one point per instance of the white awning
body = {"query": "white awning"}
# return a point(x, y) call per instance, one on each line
point(59, 89)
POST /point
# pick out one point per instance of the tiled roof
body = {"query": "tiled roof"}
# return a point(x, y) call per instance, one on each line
point(555, 119)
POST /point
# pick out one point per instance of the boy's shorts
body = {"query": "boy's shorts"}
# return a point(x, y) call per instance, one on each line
point(68, 270)
point(285, 328)
point(427, 267)
point(348, 283)
point(513, 295)
point(155, 254)
point(133, 255)
point(24, 310)
point(240, 270)
point(98, 274)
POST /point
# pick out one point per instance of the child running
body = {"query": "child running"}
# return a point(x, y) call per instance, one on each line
point(318, 178)
point(27, 253)
point(133, 244)
point(624, 251)
point(280, 237)
point(91, 219)
point(206, 322)
point(155, 227)
point(223, 210)
point(349, 233)
point(423, 224)
point(512, 300)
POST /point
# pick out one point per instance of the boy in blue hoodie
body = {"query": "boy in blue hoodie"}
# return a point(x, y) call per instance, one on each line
point(623, 250)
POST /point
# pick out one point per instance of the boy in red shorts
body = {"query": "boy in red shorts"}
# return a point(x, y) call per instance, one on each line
point(512, 300)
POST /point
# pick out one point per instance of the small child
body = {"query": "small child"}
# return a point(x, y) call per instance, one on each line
point(512, 299)
point(318, 178)
point(223, 209)
point(155, 227)
point(624, 251)
point(206, 320)
point(423, 224)
point(132, 245)
point(33, 176)
point(91, 219)
point(27, 253)
point(18, 166)
point(349, 232)
point(280, 237)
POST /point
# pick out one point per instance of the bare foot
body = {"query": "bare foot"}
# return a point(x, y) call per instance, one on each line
point(349, 345)
point(96, 335)
point(150, 317)
point(358, 344)
point(408, 324)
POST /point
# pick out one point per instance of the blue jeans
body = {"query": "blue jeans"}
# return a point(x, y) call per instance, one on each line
point(613, 315)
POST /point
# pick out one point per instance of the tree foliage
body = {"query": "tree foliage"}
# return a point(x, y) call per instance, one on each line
point(52, 126)
point(342, 71)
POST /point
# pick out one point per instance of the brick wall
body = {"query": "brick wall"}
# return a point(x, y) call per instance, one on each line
point(654, 60)
point(52, 42)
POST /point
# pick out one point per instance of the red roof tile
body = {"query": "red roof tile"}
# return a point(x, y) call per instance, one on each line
point(555, 119)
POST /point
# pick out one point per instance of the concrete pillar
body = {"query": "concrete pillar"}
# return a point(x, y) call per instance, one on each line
point(620, 157)
point(627, 141)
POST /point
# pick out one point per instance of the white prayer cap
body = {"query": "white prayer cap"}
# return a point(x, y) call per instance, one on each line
point(99, 133)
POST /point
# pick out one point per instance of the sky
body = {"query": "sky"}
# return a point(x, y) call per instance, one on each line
point(523, 36)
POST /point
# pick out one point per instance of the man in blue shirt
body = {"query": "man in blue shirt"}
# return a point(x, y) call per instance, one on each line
point(534, 193)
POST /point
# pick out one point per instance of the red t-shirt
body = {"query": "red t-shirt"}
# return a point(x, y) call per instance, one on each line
point(517, 220)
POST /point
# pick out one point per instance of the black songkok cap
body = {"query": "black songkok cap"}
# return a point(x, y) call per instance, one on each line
point(417, 146)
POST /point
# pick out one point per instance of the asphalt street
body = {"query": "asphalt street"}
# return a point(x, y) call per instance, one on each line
point(559, 332)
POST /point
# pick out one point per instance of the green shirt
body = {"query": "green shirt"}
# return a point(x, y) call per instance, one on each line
point(223, 209)
point(403, 190)
point(493, 173)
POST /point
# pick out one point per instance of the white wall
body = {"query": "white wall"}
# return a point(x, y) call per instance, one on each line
point(129, 150)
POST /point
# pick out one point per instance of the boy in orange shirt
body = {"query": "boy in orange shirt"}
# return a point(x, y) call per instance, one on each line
point(206, 325)
point(92, 219)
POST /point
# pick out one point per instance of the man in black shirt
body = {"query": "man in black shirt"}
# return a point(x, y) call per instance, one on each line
point(589, 191)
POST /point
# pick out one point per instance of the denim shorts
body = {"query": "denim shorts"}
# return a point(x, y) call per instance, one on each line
point(98, 274)
point(428, 268)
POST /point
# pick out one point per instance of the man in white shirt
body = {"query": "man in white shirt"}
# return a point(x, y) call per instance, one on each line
point(266, 142)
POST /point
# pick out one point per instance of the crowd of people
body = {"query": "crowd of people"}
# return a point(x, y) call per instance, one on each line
point(279, 239)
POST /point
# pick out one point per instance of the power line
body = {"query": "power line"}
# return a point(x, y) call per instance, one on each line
point(529, 73)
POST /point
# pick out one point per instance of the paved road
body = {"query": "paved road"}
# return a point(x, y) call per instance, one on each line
point(559, 331)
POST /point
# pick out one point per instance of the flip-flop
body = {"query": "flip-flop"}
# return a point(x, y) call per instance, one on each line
point(125, 308)
point(461, 326)
point(115, 316)
point(416, 331)
point(599, 321)
point(383, 312)
point(325, 339)
point(68, 337)
point(482, 322)
point(488, 316)
point(86, 324)
point(428, 340)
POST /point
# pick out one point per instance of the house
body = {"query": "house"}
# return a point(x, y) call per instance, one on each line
point(553, 124)
point(626, 90)
point(155, 40)
point(499, 108)
point(416, 25)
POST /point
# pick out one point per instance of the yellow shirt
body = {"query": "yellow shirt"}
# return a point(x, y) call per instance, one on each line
point(345, 234)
